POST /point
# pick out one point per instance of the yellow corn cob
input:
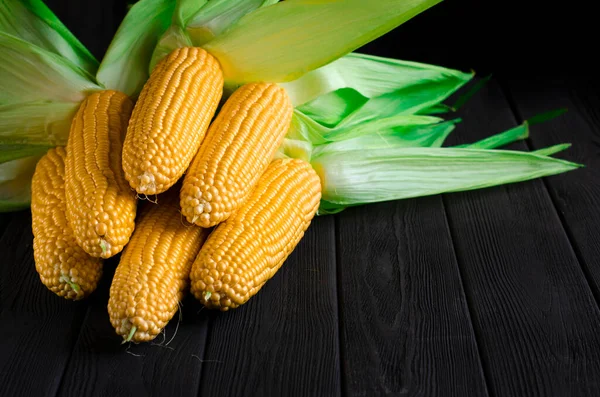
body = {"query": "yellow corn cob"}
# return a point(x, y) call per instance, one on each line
point(246, 250)
point(101, 206)
point(239, 145)
point(154, 269)
point(170, 119)
point(62, 265)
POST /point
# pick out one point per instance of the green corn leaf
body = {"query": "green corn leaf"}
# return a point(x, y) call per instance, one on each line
point(30, 73)
point(33, 22)
point(303, 127)
point(125, 66)
point(217, 16)
point(15, 183)
point(358, 87)
point(36, 123)
point(429, 135)
point(185, 10)
point(504, 138)
point(175, 37)
point(439, 108)
point(369, 75)
point(549, 151)
point(366, 176)
point(15, 152)
point(282, 42)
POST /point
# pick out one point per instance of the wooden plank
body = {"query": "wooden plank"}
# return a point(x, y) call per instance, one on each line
point(406, 328)
point(576, 195)
point(284, 341)
point(101, 366)
point(534, 314)
point(39, 328)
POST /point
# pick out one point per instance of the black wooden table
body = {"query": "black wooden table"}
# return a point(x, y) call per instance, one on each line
point(485, 293)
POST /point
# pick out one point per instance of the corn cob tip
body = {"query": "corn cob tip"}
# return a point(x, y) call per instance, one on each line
point(130, 335)
point(147, 184)
point(76, 293)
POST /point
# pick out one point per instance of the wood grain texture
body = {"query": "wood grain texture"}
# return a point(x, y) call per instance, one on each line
point(576, 195)
point(406, 328)
point(101, 366)
point(535, 316)
point(284, 341)
point(38, 328)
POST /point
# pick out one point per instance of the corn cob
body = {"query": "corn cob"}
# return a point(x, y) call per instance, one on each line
point(245, 251)
point(170, 119)
point(101, 206)
point(62, 265)
point(154, 269)
point(239, 145)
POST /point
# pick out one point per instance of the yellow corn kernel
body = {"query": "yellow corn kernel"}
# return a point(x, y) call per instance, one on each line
point(62, 265)
point(101, 206)
point(170, 119)
point(152, 275)
point(246, 250)
point(239, 145)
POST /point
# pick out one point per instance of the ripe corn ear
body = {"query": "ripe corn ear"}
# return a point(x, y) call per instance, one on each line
point(62, 265)
point(245, 251)
point(170, 119)
point(239, 145)
point(154, 269)
point(101, 206)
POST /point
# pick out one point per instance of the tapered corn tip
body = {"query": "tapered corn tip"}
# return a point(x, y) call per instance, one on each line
point(101, 207)
point(239, 145)
point(244, 252)
point(153, 272)
point(170, 118)
point(63, 266)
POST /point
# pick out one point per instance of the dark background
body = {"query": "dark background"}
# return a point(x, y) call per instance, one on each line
point(509, 37)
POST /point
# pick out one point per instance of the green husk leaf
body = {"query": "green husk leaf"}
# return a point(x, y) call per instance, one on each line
point(30, 73)
point(14, 152)
point(546, 116)
point(464, 98)
point(217, 16)
point(125, 66)
point(33, 22)
point(303, 127)
point(549, 151)
point(504, 138)
point(36, 123)
point(15, 183)
point(389, 86)
point(282, 42)
point(366, 176)
point(439, 108)
point(185, 10)
point(172, 39)
point(429, 135)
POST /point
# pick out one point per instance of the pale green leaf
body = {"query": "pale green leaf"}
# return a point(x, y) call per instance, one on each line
point(30, 73)
point(217, 16)
point(125, 66)
point(373, 76)
point(14, 152)
point(34, 22)
point(432, 135)
point(282, 42)
point(175, 37)
point(504, 138)
point(36, 123)
point(303, 127)
point(549, 151)
point(366, 176)
point(15, 183)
